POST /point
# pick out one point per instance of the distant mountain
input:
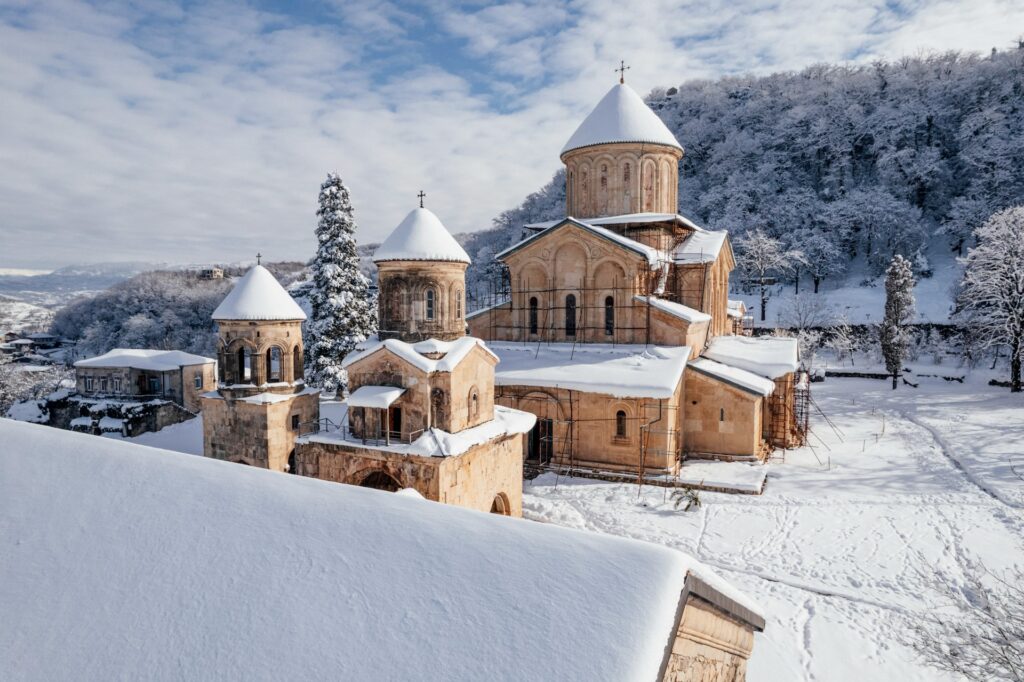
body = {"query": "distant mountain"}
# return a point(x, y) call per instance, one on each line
point(56, 288)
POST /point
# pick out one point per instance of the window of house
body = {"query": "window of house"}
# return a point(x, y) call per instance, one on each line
point(103, 385)
point(88, 383)
point(533, 314)
point(570, 315)
point(154, 385)
point(117, 384)
point(620, 424)
point(609, 315)
point(274, 364)
point(197, 381)
point(430, 304)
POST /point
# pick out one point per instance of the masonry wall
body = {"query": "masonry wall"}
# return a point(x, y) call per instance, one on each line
point(709, 645)
point(721, 419)
point(403, 301)
point(257, 338)
point(614, 179)
point(207, 375)
point(256, 434)
point(474, 479)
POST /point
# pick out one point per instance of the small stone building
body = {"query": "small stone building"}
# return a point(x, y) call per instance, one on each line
point(261, 400)
point(133, 373)
point(421, 407)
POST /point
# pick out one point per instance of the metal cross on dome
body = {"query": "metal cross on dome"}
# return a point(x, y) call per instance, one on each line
point(421, 195)
point(622, 71)
point(258, 257)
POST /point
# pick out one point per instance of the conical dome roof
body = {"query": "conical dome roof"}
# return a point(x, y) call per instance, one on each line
point(621, 116)
point(421, 236)
point(258, 296)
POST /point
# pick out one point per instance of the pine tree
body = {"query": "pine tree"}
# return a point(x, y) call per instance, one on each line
point(899, 311)
point(990, 303)
point(343, 313)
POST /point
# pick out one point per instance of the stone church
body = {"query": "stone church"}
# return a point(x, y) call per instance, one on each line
point(615, 327)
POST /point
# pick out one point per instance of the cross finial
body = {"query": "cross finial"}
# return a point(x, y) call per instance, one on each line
point(258, 257)
point(421, 195)
point(622, 71)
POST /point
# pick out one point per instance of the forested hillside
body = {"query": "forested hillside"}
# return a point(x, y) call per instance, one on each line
point(850, 164)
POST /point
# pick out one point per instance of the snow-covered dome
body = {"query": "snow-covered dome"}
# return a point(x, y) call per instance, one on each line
point(258, 296)
point(621, 116)
point(421, 236)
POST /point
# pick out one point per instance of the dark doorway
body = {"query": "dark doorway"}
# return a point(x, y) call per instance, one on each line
point(380, 480)
point(570, 315)
point(395, 422)
point(539, 446)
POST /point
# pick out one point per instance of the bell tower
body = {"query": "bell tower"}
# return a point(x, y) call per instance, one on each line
point(622, 159)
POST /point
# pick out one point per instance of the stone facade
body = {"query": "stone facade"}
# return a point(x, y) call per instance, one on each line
point(617, 179)
point(421, 300)
point(710, 645)
point(183, 386)
point(721, 419)
point(256, 431)
point(260, 355)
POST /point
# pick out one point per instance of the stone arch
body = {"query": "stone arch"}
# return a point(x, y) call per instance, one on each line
point(378, 479)
point(627, 414)
point(648, 186)
point(583, 191)
point(297, 369)
point(473, 404)
point(501, 505)
point(273, 361)
point(550, 429)
point(665, 194)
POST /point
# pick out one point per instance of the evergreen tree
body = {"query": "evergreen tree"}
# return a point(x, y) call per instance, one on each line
point(990, 303)
point(899, 311)
point(343, 314)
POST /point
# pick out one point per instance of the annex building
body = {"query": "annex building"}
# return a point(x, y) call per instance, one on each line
point(613, 324)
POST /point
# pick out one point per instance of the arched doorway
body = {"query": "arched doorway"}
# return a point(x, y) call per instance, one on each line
point(381, 480)
point(501, 505)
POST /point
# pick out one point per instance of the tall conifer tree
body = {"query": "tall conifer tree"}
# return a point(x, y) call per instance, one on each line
point(343, 312)
point(899, 312)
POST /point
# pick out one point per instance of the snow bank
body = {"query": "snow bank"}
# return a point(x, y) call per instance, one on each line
point(621, 116)
point(150, 360)
point(627, 371)
point(768, 356)
point(420, 236)
point(735, 376)
point(258, 296)
point(158, 565)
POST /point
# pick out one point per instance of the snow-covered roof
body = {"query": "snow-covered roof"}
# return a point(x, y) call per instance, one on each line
point(700, 247)
point(675, 309)
point(621, 116)
point(420, 236)
point(767, 356)
point(626, 219)
point(151, 360)
point(258, 296)
point(625, 371)
point(181, 567)
point(740, 378)
point(454, 352)
point(736, 308)
point(374, 396)
point(652, 255)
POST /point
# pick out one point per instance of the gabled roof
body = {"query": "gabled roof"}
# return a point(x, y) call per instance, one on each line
point(173, 566)
point(767, 356)
point(152, 360)
point(652, 255)
point(454, 352)
point(258, 296)
point(621, 116)
point(420, 236)
point(627, 219)
point(734, 376)
point(700, 247)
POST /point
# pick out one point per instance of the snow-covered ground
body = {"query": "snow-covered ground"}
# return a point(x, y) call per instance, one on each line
point(842, 545)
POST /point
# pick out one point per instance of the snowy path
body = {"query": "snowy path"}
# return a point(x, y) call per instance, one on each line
point(842, 556)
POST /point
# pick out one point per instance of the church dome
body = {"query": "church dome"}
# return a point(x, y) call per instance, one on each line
point(420, 236)
point(258, 296)
point(621, 116)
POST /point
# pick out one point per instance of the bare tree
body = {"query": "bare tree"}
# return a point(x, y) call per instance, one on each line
point(763, 258)
point(974, 626)
point(842, 339)
point(990, 303)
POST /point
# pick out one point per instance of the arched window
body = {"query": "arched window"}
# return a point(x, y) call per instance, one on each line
point(620, 424)
point(570, 315)
point(609, 315)
point(533, 314)
point(430, 303)
point(458, 304)
point(244, 366)
point(474, 403)
point(274, 364)
point(625, 173)
point(297, 369)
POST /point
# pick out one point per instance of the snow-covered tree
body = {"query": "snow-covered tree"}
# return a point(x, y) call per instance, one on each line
point(990, 303)
point(763, 257)
point(842, 340)
point(343, 314)
point(895, 334)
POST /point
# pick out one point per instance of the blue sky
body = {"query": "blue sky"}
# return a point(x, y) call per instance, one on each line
point(194, 132)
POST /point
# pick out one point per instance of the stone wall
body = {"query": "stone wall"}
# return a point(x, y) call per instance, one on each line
point(421, 300)
point(136, 417)
point(615, 179)
point(720, 418)
point(274, 350)
point(207, 375)
point(258, 434)
point(709, 645)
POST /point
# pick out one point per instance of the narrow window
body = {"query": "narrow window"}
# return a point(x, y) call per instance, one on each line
point(295, 422)
point(88, 383)
point(533, 314)
point(198, 381)
point(274, 364)
point(721, 414)
point(474, 404)
point(625, 173)
point(620, 424)
point(458, 304)
point(570, 315)
point(430, 304)
point(609, 315)
point(103, 385)
point(117, 384)
point(296, 363)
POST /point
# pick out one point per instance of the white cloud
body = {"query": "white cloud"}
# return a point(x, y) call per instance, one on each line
point(147, 132)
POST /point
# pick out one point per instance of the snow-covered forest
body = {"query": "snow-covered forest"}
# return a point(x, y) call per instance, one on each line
point(850, 164)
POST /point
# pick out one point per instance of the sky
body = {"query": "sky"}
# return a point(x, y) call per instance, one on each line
point(197, 132)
